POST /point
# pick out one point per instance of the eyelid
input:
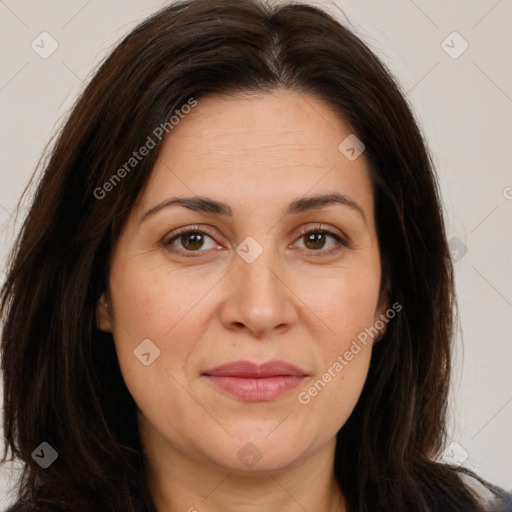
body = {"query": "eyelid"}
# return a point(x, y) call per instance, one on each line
point(190, 229)
point(324, 228)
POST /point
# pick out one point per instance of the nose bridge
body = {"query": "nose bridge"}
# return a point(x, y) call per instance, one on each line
point(258, 267)
point(258, 299)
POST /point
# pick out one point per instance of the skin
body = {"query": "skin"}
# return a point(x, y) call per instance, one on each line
point(297, 301)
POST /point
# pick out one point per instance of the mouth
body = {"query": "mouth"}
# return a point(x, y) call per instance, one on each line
point(252, 382)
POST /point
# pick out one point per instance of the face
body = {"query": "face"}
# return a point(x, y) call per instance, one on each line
point(269, 276)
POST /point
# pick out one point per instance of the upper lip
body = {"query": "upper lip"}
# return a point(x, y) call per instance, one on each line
point(249, 369)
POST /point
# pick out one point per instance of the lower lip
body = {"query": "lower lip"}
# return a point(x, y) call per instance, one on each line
point(257, 389)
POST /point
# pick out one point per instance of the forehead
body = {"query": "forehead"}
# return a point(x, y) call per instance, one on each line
point(257, 148)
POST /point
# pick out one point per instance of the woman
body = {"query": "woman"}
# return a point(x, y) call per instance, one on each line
point(233, 289)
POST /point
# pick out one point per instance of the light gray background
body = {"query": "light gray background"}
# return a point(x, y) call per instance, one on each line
point(464, 105)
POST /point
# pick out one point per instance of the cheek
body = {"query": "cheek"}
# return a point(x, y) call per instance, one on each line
point(147, 307)
point(173, 309)
point(168, 311)
point(153, 300)
point(331, 395)
point(346, 305)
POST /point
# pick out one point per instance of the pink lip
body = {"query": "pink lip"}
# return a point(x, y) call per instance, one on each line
point(254, 382)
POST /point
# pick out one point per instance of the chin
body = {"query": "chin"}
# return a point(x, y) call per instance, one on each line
point(251, 454)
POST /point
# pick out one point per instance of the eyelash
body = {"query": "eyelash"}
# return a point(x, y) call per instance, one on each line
point(341, 242)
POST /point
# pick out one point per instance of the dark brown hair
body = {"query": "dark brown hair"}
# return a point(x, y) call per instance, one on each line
point(62, 382)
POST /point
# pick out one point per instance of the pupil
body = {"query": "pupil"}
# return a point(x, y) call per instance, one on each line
point(319, 242)
point(196, 240)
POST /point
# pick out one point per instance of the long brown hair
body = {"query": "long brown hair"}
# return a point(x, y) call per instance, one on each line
point(62, 382)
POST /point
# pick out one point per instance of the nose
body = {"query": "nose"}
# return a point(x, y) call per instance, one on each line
point(259, 299)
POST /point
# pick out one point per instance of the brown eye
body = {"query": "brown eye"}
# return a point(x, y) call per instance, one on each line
point(314, 240)
point(189, 241)
point(318, 241)
point(192, 241)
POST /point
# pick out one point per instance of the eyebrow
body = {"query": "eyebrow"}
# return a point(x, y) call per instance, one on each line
point(208, 205)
